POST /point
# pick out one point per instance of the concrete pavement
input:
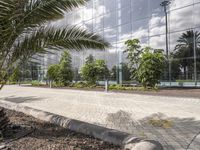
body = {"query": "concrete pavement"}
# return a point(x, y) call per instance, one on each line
point(130, 113)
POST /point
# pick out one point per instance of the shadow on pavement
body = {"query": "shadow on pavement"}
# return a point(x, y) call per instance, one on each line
point(18, 100)
point(173, 133)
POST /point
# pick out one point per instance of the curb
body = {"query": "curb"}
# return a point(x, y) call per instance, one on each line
point(125, 140)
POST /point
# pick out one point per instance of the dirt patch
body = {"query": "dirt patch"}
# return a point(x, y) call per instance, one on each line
point(47, 136)
point(161, 123)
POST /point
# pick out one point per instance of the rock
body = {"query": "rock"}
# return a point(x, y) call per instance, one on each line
point(146, 145)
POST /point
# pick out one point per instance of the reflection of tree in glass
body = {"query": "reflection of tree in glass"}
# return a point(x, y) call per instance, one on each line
point(184, 50)
point(126, 74)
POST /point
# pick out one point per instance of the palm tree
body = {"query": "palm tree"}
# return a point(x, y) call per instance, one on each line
point(184, 50)
point(25, 31)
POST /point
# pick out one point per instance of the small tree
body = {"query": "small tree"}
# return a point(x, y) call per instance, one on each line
point(151, 67)
point(52, 72)
point(134, 51)
point(88, 71)
point(126, 74)
point(102, 69)
point(16, 75)
point(146, 64)
point(94, 70)
point(65, 71)
point(61, 73)
point(90, 59)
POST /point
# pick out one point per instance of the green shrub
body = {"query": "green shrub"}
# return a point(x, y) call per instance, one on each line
point(128, 88)
point(61, 73)
point(65, 73)
point(36, 83)
point(146, 64)
point(57, 84)
point(84, 85)
point(94, 70)
point(150, 69)
point(16, 75)
point(52, 72)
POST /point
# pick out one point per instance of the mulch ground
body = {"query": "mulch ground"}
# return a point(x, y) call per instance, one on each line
point(169, 92)
point(46, 136)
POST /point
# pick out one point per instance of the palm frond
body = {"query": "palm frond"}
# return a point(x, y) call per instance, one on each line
point(19, 16)
point(45, 39)
point(24, 32)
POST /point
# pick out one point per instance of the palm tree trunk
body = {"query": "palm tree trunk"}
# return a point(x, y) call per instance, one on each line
point(1, 86)
point(4, 121)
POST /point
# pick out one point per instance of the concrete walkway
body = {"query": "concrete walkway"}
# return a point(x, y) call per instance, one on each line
point(125, 112)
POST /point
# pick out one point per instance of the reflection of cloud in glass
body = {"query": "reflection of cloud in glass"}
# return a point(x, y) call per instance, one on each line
point(144, 19)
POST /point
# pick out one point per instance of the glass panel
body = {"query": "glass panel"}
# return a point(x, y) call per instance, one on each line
point(157, 42)
point(197, 48)
point(110, 20)
point(140, 9)
point(78, 16)
point(110, 5)
point(125, 3)
point(155, 7)
point(98, 24)
point(157, 25)
point(182, 49)
point(125, 16)
point(196, 15)
point(110, 35)
point(180, 3)
point(88, 11)
point(181, 19)
point(99, 8)
point(89, 25)
point(140, 28)
point(125, 32)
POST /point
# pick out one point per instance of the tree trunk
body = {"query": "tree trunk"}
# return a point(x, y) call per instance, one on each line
point(4, 121)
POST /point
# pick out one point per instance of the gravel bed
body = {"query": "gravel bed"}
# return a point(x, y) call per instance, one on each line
point(47, 136)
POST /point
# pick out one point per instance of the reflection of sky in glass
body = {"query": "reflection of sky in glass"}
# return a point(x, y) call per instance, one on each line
point(118, 20)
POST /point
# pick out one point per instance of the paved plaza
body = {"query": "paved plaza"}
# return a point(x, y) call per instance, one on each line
point(132, 113)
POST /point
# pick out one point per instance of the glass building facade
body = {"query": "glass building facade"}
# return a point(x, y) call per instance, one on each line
point(119, 20)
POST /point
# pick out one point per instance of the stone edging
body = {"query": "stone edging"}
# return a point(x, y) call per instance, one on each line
point(125, 140)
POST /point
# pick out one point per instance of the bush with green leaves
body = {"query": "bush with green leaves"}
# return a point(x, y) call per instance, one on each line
point(83, 85)
point(126, 73)
point(146, 64)
point(125, 88)
point(36, 83)
point(133, 51)
point(102, 69)
point(52, 73)
point(94, 70)
point(151, 68)
point(89, 70)
point(65, 73)
point(61, 73)
point(16, 75)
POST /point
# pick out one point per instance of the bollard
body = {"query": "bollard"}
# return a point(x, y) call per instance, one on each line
point(50, 84)
point(106, 86)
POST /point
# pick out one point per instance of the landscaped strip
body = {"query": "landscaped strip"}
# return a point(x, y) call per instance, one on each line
point(125, 140)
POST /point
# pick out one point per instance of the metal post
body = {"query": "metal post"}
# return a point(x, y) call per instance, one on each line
point(195, 60)
point(164, 4)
